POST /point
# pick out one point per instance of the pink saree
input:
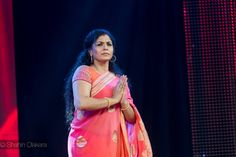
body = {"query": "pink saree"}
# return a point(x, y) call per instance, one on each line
point(104, 132)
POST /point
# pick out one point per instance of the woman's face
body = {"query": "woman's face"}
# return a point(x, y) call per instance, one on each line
point(102, 49)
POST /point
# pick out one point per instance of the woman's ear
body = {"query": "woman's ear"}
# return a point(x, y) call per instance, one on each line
point(90, 53)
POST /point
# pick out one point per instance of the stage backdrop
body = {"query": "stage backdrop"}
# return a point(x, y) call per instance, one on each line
point(150, 49)
point(8, 106)
point(210, 45)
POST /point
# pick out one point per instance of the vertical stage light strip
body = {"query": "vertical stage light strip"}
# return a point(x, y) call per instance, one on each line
point(211, 58)
point(8, 109)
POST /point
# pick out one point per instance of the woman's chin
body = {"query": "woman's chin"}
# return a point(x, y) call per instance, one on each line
point(104, 60)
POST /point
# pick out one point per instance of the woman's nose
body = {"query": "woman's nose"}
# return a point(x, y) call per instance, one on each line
point(105, 46)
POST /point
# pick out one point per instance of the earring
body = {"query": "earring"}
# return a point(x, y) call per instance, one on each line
point(113, 59)
point(91, 58)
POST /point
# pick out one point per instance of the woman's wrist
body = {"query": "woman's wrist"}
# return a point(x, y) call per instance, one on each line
point(125, 105)
point(112, 101)
point(108, 102)
point(125, 108)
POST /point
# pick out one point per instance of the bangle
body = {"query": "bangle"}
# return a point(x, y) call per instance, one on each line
point(108, 102)
point(123, 109)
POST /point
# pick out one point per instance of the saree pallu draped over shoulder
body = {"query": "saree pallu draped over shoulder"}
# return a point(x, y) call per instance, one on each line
point(104, 132)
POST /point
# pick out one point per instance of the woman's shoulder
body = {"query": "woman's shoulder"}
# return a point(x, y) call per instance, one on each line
point(82, 72)
point(82, 68)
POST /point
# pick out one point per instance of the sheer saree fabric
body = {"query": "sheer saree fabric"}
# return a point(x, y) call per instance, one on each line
point(104, 132)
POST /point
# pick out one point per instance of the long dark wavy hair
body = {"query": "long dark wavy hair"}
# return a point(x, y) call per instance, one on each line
point(85, 59)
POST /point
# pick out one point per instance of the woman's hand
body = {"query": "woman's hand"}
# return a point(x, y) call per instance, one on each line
point(120, 88)
point(126, 108)
point(124, 101)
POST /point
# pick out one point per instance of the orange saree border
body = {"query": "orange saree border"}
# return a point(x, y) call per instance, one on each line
point(140, 133)
point(101, 82)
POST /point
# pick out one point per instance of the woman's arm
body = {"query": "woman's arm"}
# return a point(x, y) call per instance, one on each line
point(128, 112)
point(83, 101)
point(127, 109)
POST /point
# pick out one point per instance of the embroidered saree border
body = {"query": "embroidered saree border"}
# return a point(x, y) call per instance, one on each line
point(101, 82)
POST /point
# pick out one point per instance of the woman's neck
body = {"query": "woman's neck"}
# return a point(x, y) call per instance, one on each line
point(101, 67)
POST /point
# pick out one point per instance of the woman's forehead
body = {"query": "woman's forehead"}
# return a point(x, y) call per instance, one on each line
point(103, 38)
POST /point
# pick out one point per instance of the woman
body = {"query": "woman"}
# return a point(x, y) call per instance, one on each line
point(105, 121)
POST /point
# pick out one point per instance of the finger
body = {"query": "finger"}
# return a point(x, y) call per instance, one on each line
point(120, 81)
point(122, 78)
point(125, 80)
point(123, 85)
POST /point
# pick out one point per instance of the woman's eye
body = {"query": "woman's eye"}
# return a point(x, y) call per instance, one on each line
point(109, 44)
point(102, 44)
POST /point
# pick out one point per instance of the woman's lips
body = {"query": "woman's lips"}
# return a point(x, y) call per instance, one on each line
point(105, 53)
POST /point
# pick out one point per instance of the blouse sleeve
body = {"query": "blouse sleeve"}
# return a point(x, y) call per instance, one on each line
point(82, 73)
